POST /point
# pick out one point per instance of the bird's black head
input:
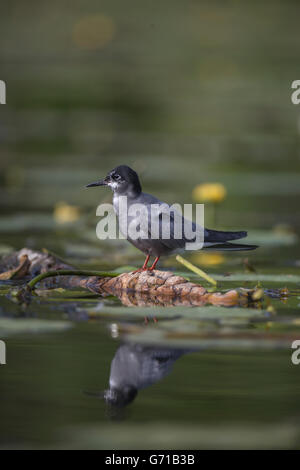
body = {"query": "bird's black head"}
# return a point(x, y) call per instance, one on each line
point(116, 400)
point(122, 180)
point(120, 397)
point(116, 396)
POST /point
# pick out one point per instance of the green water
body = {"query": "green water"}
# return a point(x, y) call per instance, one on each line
point(184, 93)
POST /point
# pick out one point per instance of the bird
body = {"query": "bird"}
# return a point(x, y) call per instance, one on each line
point(124, 181)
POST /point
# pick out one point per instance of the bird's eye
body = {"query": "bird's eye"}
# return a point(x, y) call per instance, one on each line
point(117, 177)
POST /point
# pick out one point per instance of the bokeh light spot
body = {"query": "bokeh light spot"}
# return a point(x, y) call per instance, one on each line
point(93, 32)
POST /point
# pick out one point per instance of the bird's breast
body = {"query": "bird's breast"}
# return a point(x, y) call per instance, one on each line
point(126, 221)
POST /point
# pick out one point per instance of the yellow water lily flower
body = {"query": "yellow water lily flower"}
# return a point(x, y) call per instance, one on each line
point(94, 32)
point(64, 213)
point(209, 192)
point(208, 259)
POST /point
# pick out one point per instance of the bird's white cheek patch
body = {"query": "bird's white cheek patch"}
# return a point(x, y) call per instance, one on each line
point(113, 185)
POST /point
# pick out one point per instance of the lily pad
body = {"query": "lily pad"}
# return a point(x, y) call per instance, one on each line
point(178, 436)
point(275, 237)
point(199, 313)
point(18, 222)
point(222, 339)
point(5, 249)
point(244, 277)
point(9, 326)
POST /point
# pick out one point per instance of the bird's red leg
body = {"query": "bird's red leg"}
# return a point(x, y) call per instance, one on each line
point(144, 267)
point(146, 262)
point(154, 264)
point(146, 320)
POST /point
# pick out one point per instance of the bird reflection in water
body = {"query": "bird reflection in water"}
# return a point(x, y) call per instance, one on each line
point(133, 368)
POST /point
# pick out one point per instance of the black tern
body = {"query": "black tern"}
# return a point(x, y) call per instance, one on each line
point(125, 182)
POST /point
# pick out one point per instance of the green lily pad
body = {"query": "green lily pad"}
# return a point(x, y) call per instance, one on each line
point(178, 436)
point(202, 338)
point(199, 313)
point(28, 221)
point(9, 326)
point(278, 237)
point(5, 249)
point(244, 277)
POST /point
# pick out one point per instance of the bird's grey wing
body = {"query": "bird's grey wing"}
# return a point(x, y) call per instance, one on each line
point(171, 226)
point(212, 238)
point(166, 217)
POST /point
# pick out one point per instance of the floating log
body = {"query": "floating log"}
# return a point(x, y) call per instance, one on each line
point(144, 288)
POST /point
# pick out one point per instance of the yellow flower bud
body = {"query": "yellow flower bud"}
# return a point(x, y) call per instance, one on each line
point(209, 192)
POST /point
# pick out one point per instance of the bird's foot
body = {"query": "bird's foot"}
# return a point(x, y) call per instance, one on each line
point(140, 270)
point(145, 268)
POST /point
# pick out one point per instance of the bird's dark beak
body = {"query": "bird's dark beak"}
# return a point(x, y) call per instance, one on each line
point(97, 183)
point(95, 394)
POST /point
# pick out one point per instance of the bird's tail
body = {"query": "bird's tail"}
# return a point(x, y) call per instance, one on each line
point(230, 247)
point(220, 236)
